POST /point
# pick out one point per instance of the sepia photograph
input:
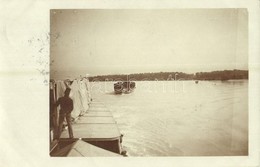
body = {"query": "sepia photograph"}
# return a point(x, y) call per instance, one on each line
point(148, 82)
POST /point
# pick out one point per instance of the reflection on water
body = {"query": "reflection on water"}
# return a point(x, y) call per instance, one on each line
point(180, 118)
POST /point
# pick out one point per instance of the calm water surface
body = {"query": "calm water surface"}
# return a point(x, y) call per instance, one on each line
point(180, 118)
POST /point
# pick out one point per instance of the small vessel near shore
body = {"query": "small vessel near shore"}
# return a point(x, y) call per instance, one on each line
point(196, 81)
point(124, 87)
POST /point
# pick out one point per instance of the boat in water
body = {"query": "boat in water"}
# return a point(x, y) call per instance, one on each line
point(124, 87)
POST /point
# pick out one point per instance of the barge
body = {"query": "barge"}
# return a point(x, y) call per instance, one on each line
point(94, 128)
point(96, 131)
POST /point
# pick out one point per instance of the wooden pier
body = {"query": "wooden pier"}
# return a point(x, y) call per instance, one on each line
point(97, 129)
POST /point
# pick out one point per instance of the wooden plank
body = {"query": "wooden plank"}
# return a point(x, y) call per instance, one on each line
point(97, 114)
point(91, 120)
point(95, 109)
point(96, 105)
point(93, 131)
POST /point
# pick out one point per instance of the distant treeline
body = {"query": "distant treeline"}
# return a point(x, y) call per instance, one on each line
point(162, 76)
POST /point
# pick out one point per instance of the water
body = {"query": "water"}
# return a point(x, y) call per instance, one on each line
point(180, 118)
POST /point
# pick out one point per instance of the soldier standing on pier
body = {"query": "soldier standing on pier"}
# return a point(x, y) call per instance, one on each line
point(66, 106)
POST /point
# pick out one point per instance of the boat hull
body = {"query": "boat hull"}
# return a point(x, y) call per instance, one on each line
point(124, 87)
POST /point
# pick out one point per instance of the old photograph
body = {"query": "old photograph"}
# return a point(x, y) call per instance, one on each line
point(148, 82)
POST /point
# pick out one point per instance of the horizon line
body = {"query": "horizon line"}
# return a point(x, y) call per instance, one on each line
point(170, 72)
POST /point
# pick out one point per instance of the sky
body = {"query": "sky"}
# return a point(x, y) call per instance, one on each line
point(113, 41)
